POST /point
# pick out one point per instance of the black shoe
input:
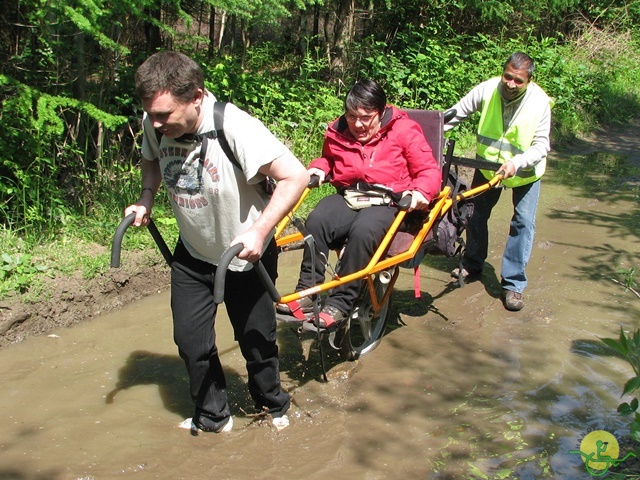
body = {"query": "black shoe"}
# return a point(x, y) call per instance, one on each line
point(207, 425)
point(330, 318)
point(298, 308)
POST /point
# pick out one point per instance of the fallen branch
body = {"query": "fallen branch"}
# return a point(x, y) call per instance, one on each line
point(635, 292)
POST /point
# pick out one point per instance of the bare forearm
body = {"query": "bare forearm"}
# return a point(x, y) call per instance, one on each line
point(285, 196)
point(151, 177)
point(292, 179)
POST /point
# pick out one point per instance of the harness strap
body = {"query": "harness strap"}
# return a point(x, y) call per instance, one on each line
point(476, 163)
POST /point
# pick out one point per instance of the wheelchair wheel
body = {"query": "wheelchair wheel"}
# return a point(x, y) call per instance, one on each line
point(364, 329)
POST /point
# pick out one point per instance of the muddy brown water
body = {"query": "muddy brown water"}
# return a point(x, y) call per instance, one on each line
point(458, 388)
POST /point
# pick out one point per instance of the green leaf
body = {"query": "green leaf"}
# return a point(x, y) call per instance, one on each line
point(611, 343)
point(635, 431)
point(625, 409)
point(632, 385)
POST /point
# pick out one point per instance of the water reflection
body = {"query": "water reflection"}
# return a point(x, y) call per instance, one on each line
point(458, 388)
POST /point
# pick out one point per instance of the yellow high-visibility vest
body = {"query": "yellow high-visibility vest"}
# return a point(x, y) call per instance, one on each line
point(497, 145)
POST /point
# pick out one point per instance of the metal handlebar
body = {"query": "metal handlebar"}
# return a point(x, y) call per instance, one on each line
point(126, 222)
point(449, 115)
point(116, 245)
point(221, 272)
point(225, 260)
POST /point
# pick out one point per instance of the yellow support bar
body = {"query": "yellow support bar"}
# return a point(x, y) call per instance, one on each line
point(443, 202)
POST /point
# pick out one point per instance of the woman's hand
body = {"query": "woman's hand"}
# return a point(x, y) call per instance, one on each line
point(418, 201)
point(319, 173)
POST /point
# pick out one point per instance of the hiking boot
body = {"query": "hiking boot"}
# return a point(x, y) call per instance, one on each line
point(512, 300)
point(330, 318)
point(297, 308)
point(280, 422)
point(455, 273)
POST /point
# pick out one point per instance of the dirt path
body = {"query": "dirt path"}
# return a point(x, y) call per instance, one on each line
point(69, 300)
point(619, 139)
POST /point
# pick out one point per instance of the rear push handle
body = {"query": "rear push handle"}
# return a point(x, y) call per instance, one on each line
point(221, 271)
point(126, 222)
point(223, 265)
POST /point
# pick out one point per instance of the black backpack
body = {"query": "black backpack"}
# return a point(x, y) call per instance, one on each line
point(267, 185)
point(445, 237)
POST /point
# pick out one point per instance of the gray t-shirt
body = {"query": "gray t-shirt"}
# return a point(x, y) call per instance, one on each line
point(213, 201)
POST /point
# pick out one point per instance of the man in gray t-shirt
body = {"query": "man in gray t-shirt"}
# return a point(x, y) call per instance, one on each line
point(216, 205)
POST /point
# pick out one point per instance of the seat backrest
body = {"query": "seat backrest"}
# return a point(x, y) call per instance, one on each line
point(432, 124)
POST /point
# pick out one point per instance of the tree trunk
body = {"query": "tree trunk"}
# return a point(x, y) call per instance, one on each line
point(212, 31)
point(223, 27)
point(342, 37)
point(232, 43)
point(316, 20)
point(245, 35)
point(303, 34)
point(152, 32)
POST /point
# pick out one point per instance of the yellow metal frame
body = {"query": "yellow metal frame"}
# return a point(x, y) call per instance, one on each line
point(440, 206)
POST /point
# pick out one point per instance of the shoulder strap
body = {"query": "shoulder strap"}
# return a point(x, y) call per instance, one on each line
point(218, 125)
point(217, 132)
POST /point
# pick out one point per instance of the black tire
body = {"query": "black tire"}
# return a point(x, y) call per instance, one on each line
point(362, 333)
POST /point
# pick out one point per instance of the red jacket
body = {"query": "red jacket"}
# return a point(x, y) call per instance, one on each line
point(398, 156)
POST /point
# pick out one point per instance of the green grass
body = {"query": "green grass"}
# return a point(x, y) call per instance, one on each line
point(593, 81)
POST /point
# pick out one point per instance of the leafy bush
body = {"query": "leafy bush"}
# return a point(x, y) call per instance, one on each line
point(628, 347)
point(59, 177)
point(17, 271)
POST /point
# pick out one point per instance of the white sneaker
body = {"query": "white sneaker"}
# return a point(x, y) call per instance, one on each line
point(280, 422)
point(227, 426)
point(189, 425)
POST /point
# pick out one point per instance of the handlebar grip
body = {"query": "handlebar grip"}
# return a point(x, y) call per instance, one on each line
point(404, 203)
point(162, 246)
point(449, 115)
point(126, 222)
point(116, 245)
point(314, 181)
point(221, 272)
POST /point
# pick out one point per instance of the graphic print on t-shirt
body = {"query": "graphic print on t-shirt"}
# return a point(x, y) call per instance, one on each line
point(183, 177)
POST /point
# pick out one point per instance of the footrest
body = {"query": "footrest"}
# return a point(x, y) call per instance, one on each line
point(281, 317)
point(308, 326)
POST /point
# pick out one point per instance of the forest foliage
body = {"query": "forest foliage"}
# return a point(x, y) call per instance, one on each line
point(70, 121)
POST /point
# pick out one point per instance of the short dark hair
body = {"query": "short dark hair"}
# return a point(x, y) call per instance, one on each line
point(366, 94)
point(520, 60)
point(171, 72)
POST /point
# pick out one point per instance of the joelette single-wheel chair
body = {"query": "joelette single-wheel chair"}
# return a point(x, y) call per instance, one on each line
point(363, 330)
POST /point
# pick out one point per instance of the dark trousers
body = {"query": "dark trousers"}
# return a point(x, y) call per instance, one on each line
point(330, 224)
point(252, 316)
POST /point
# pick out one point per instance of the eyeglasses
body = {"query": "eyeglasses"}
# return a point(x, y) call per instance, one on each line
point(363, 119)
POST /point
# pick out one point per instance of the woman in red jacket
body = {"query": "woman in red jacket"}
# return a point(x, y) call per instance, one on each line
point(373, 143)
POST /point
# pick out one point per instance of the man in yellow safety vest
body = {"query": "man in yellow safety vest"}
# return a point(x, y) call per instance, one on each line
point(514, 128)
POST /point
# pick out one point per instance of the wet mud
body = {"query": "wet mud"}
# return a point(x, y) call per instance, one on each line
point(458, 388)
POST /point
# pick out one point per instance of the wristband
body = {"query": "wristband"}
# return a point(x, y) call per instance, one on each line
point(147, 188)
